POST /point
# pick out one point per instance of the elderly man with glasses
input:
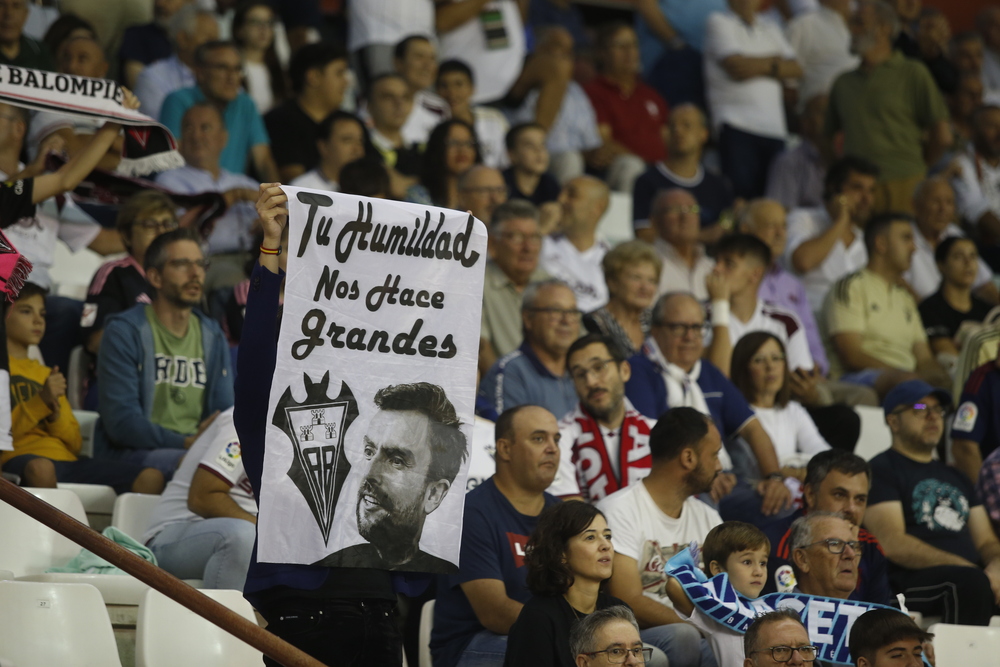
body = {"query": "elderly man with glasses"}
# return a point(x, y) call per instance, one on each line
point(943, 553)
point(535, 373)
point(777, 638)
point(825, 554)
point(675, 219)
point(608, 637)
point(670, 372)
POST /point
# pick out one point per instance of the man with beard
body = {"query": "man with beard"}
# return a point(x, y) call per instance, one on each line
point(414, 449)
point(658, 516)
point(942, 551)
point(605, 441)
point(163, 368)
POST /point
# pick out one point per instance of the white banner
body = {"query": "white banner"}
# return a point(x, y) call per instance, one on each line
point(373, 397)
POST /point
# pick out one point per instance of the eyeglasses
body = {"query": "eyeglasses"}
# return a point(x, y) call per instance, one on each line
point(618, 654)
point(762, 359)
point(225, 69)
point(572, 314)
point(518, 238)
point(784, 653)
point(597, 368)
point(682, 209)
point(836, 546)
point(924, 410)
point(156, 225)
point(681, 329)
point(188, 264)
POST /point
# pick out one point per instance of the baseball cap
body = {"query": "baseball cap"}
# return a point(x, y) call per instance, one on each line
point(911, 391)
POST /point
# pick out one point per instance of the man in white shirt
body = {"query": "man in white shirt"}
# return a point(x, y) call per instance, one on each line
point(575, 253)
point(934, 221)
point(988, 24)
point(416, 61)
point(746, 62)
point(341, 140)
point(203, 136)
point(822, 44)
point(658, 516)
point(189, 28)
point(742, 261)
point(825, 244)
point(977, 186)
point(489, 36)
point(674, 216)
point(204, 525)
point(376, 27)
point(605, 441)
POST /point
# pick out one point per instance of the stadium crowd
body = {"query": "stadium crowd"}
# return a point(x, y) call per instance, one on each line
point(812, 194)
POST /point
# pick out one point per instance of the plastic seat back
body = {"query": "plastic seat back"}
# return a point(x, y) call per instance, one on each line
point(44, 624)
point(168, 635)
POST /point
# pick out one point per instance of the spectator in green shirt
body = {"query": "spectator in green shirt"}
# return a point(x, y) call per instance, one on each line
point(886, 106)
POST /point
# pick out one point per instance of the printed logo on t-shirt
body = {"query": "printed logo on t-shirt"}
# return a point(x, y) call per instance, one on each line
point(938, 505)
point(517, 545)
point(180, 371)
point(229, 457)
point(965, 417)
point(651, 562)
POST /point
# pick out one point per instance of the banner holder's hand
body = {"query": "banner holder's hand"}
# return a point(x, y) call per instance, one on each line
point(273, 213)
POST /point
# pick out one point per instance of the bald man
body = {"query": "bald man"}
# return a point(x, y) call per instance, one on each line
point(574, 254)
point(935, 220)
point(81, 56)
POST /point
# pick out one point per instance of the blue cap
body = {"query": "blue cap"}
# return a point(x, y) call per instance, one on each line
point(910, 392)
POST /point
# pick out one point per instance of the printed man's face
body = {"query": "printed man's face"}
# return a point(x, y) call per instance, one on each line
point(391, 500)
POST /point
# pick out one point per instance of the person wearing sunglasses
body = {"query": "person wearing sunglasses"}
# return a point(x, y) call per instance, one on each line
point(778, 638)
point(825, 554)
point(932, 526)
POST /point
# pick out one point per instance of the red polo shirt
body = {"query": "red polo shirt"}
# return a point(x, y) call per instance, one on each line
point(635, 119)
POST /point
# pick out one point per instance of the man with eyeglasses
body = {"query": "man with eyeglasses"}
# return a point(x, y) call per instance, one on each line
point(515, 244)
point(686, 267)
point(777, 638)
point(218, 70)
point(163, 369)
point(825, 553)
point(943, 553)
point(202, 141)
point(481, 189)
point(608, 637)
point(670, 372)
point(536, 373)
point(605, 441)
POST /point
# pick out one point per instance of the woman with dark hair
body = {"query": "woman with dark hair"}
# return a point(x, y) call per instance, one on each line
point(253, 32)
point(451, 149)
point(568, 558)
point(760, 372)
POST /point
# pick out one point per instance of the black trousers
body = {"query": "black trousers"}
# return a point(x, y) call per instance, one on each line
point(340, 632)
point(959, 594)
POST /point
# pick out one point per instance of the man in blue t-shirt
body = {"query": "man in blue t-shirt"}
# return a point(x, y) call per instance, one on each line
point(219, 72)
point(942, 551)
point(975, 431)
point(476, 607)
point(669, 372)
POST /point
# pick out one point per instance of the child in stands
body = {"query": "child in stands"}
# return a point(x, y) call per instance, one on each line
point(740, 550)
point(46, 434)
